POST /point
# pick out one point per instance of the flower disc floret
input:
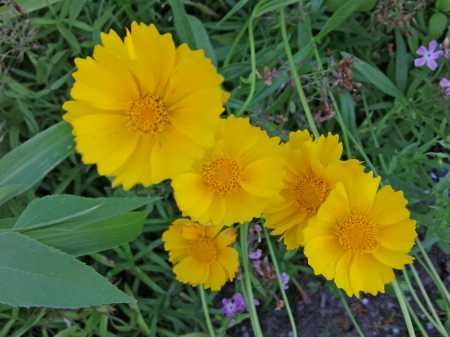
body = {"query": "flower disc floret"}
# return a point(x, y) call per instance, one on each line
point(203, 250)
point(148, 115)
point(223, 175)
point(310, 193)
point(356, 234)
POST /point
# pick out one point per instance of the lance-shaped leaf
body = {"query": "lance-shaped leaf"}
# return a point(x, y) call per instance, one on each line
point(70, 211)
point(32, 160)
point(94, 237)
point(34, 274)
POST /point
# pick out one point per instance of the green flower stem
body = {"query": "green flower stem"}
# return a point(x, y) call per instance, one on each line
point(248, 285)
point(283, 293)
point(350, 314)
point(235, 43)
point(402, 302)
point(419, 303)
point(436, 321)
point(253, 62)
point(372, 132)
point(416, 320)
point(201, 290)
point(436, 277)
point(294, 74)
point(341, 123)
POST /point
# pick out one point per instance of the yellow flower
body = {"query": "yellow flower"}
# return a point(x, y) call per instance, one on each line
point(312, 170)
point(236, 179)
point(201, 254)
point(143, 111)
point(359, 235)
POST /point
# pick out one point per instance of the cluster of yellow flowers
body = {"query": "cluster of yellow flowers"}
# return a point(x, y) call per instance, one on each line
point(145, 111)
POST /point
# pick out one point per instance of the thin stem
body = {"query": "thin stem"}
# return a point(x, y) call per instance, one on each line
point(253, 62)
point(436, 277)
point(436, 321)
point(350, 314)
point(201, 290)
point(416, 320)
point(341, 123)
point(235, 43)
point(372, 132)
point(401, 301)
point(419, 303)
point(283, 293)
point(248, 285)
point(294, 74)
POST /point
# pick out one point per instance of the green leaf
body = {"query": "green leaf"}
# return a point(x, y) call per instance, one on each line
point(70, 211)
point(338, 18)
point(8, 192)
point(182, 24)
point(236, 7)
point(36, 275)
point(27, 6)
point(273, 5)
point(76, 7)
point(93, 237)
point(401, 62)
point(348, 111)
point(32, 160)
point(202, 39)
point(376, 77)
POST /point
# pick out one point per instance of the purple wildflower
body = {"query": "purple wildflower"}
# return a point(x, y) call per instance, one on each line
point(239, 302)
point(445, 83)
point(229, 308)
point(428, 56)
point(257, 266)
point(255, 255)
point(284, 280)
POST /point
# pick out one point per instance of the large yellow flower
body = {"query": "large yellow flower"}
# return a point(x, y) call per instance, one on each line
point(312, 170)
point(143, 111)
point(201, 254)
point(236, 179)
point(359, 235)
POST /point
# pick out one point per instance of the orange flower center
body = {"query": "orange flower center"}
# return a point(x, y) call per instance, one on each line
point(203, 250)
point(357, 234)
point(148, 115)
point(310, 193)
point(223, 175)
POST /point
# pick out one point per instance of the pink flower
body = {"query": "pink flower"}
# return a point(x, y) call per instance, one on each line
point(255, 255)
point(428, 56)
point(445, 83)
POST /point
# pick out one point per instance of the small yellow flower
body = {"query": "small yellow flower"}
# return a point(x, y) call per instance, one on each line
point(236, 179)
point(143, 110)
point(359, 235)
point(312, 170)
point(201, 254)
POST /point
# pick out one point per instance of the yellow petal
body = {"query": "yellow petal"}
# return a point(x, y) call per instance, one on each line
point(228, 258)
point(391, 258)
point(323, 254)
point(361, 190)
point(225, 238)
point(336, 208)
point(399, 236)
point(112, 42)
point(388, 207)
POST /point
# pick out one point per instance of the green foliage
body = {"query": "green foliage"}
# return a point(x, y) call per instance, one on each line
point(396, 121)
point(37, 275)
